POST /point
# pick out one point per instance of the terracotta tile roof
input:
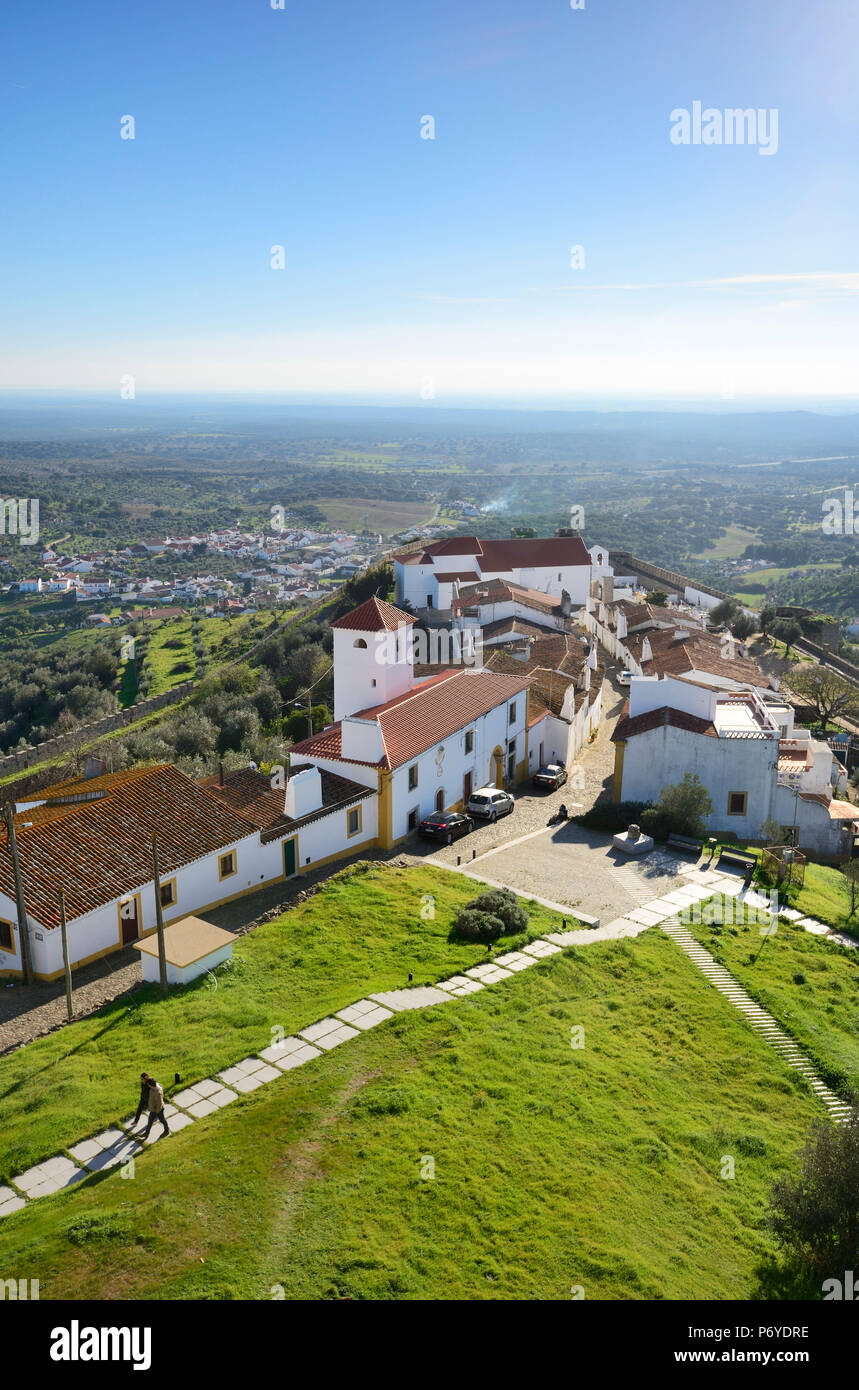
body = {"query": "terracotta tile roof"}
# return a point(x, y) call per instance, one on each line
point(540, 553)
point(536, 710)
point(627, 727)
point(99, 849)
point(517, 625)
point(465, 577)
point(249, 792)
point(698, 652)
point(504, 590)
point(554, 664)
point(511, 554)
point(374, 616)
point(454, 545)
point(423, 717)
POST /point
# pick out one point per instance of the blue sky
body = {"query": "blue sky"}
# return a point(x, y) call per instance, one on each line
point(438, 266)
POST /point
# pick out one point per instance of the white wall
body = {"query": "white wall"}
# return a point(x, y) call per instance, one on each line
point(647, 694)
point(699, 599)
point(372, 674)
point(448, 774)
point(660, 757)
point(11, 960)
point(198, 886)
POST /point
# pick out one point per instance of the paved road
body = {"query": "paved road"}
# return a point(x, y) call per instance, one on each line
point(576, 869)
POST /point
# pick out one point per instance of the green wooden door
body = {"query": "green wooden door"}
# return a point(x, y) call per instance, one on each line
point(289, 858)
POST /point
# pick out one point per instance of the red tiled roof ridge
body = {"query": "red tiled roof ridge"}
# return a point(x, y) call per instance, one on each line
point(374, 615)
point(628, 726)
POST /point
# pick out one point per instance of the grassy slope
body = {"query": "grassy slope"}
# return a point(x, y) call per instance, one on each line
point(553, 1166)
point(825, 895)
point(360, 934)
point(164, 662)
point(823, 1013)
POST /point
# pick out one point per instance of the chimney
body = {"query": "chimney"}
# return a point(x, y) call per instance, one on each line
point(220, 774)
point(646, 651)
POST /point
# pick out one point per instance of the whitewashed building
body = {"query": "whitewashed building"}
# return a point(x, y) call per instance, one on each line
point(756, 766)
point(429, 578)
point(421, 747)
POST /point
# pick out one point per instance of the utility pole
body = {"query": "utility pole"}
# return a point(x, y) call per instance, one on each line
point(159, 918)
point(23, 929)
point(66, 967)
point(309, 717)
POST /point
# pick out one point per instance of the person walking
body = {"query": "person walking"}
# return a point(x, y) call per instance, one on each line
point(143, 1103)
point(156, 1107)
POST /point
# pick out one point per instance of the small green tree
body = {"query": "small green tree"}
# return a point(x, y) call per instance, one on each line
point(773, 833)
point(766, 618)
point(815, 1216)
point(786, 630)
point(851, 873)
point(686, 805)
point(743, 626)
point(828, 693)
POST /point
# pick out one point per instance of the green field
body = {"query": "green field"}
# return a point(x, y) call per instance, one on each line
point(386, 517)
point(361, 933)
point(811, 986)
point(731, 545)
point(465, 1152)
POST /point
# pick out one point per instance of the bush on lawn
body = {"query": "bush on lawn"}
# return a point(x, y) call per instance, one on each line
point(478, 926)
point(491, 915)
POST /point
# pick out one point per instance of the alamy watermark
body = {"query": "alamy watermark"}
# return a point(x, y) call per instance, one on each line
point(839, 516)
point(15, 520)
point(733, 126)
point(440, 646)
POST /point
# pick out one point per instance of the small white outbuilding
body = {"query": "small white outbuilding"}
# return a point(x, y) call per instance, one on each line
point(192, 947)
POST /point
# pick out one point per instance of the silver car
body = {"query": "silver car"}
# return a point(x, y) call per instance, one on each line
point(489, 803)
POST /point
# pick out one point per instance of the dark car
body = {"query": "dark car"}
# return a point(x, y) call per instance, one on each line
point(446, 825)
point(550, 777)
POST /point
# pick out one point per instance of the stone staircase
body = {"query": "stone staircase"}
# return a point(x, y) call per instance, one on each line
point(762, 1022)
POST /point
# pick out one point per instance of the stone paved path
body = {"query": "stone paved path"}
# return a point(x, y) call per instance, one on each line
point(118, 1145)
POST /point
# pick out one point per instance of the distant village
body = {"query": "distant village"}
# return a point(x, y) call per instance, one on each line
point(287, 566)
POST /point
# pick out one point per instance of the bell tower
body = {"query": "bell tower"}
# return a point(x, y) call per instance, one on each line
point(373, 657)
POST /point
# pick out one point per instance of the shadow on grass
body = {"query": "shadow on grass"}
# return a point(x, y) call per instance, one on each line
point(785, 1283)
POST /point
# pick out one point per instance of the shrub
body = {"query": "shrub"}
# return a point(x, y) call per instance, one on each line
point(472, 925)
point(686, 805)
point(504, 904)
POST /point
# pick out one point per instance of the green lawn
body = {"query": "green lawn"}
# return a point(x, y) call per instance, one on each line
point(554, 1167)
point(363, 932)
point(731, 545)
point(825, 895)
point(170, 656)
point(811, 986)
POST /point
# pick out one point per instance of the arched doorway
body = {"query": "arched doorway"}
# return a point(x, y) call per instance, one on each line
point(496, 767)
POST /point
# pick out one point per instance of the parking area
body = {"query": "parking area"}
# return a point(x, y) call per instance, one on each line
point(568, 866)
